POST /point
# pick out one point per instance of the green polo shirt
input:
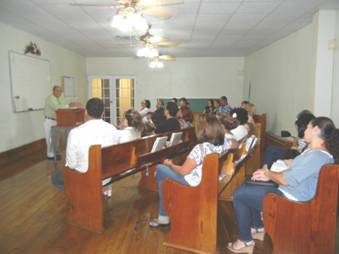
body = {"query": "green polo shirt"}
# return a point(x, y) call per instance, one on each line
point(52, 104)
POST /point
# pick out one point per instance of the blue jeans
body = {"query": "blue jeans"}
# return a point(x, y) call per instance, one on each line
point(165, 172)
point(58, 179)
point(247, 203)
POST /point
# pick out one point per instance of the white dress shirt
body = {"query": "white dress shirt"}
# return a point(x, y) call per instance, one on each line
point(129, 134)
point(92, 132)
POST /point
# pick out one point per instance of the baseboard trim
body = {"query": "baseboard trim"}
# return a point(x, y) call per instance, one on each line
point(22, 157)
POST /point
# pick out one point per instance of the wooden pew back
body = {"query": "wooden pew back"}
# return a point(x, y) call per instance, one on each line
point(311, 225)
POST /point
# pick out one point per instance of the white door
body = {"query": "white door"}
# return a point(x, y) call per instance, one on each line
point(117, 94)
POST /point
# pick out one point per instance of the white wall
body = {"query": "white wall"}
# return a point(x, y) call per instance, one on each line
point(185, 77)
point(17, 129)
point(335, 90)
point(282, 78)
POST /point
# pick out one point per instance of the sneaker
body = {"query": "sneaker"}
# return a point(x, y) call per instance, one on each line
point(161, 221)
point(258, 233)
point(241, 247)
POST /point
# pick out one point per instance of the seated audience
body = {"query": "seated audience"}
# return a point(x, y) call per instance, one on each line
point(210, 135)
point(229, 124)
point(159, 114)
point(241, 131)
point(273, 153)
point(250, 108)
point(224, 107)
point(93, 131)
point(171, 123)
point(134, 126)
point(174, 100)
point(209, 109)
point(145, 108)
point(216, 104)
point(298, 183)
point(186, 112)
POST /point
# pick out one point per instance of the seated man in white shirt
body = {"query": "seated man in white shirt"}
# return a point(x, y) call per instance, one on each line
point(93, 131)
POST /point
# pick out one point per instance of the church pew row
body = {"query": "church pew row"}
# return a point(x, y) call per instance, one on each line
point(311, 226)
point(193, 210)
point(84, 190)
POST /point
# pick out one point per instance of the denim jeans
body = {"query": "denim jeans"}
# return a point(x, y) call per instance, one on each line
point(247, 203)
point(58, 179)
point(165, 172)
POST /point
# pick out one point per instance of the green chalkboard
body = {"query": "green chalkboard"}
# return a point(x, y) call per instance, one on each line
point(196, 104)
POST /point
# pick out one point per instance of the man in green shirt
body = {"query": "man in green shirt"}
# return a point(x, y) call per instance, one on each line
point(54, 102)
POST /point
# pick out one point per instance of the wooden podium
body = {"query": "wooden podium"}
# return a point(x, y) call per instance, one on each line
point(70, 117)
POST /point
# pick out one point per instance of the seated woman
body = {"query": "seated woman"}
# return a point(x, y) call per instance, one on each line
point(273, 153)
point(145, 108)
point(209, 109)
point(210, 135)
point(298, 183)
point(171, 123)
point(242, 130)
point(229, 124)
point(134, 126)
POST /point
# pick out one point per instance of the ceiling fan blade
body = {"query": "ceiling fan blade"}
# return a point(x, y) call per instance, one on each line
point(144, 3)
point(167, 58)
point(117, 3)
point(157, 12)
point(166, 43)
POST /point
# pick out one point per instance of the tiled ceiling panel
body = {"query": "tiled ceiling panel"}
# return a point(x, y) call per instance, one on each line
point(200, 27)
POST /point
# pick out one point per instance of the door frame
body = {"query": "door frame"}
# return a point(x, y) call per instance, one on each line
point(112, 81)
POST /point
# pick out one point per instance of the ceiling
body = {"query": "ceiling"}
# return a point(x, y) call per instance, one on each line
point(202, 27)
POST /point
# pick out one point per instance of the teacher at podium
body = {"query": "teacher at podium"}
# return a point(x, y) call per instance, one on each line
point(54, 102)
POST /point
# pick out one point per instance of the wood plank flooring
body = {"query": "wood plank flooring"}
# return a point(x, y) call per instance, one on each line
point(33, 219)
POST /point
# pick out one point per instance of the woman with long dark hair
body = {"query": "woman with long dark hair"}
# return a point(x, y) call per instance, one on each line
point(298, 183)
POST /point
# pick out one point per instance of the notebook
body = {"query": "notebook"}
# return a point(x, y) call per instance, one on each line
point(175, 139)
point(159, 144)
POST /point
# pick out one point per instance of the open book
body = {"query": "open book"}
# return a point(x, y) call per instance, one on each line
point(279, 166)
point(175, 138)
point(159, 144)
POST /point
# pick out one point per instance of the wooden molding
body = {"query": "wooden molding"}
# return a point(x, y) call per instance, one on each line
point(16, 160)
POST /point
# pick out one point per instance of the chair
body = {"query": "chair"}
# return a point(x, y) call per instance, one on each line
point(309, 227)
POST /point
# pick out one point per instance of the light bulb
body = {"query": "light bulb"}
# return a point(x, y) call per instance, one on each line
point(160, 65)
point(152, 64)
point(155, 38)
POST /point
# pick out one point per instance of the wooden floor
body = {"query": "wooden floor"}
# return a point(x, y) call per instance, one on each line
point(33, 219)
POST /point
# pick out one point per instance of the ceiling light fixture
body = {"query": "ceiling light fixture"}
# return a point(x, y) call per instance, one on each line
point(155, 64)
point(148, 51)
point(128, 20)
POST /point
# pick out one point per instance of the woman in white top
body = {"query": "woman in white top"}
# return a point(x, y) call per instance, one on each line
point(242, 130)
point(145, 108)
point(210, 135)
point(229, 124)
point(134, 126)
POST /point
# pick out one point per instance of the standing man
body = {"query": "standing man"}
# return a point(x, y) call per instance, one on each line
point(54, 102)
point(224, 107)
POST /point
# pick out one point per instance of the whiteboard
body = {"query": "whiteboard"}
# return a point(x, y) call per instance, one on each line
point(30, 81)
point(69, 86)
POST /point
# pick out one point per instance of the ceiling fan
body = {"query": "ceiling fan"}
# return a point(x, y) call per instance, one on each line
point(143, 7)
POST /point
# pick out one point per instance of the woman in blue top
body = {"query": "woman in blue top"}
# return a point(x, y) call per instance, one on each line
point(298, 183)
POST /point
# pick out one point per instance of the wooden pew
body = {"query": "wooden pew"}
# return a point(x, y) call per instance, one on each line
point(193, 210)
point(84, 190)
point(148, 180)
point(275, 140)
point(311, 225)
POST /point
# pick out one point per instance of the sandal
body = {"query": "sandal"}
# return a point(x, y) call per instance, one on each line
point(258, 233)
point(241, 247)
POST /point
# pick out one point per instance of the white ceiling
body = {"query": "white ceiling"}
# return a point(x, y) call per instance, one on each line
point(202, 27)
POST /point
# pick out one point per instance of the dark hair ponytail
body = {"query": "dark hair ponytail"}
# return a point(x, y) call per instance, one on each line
point(333, 144)
point(330, 134)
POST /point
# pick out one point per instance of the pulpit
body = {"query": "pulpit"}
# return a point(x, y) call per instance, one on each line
point(70, 117)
